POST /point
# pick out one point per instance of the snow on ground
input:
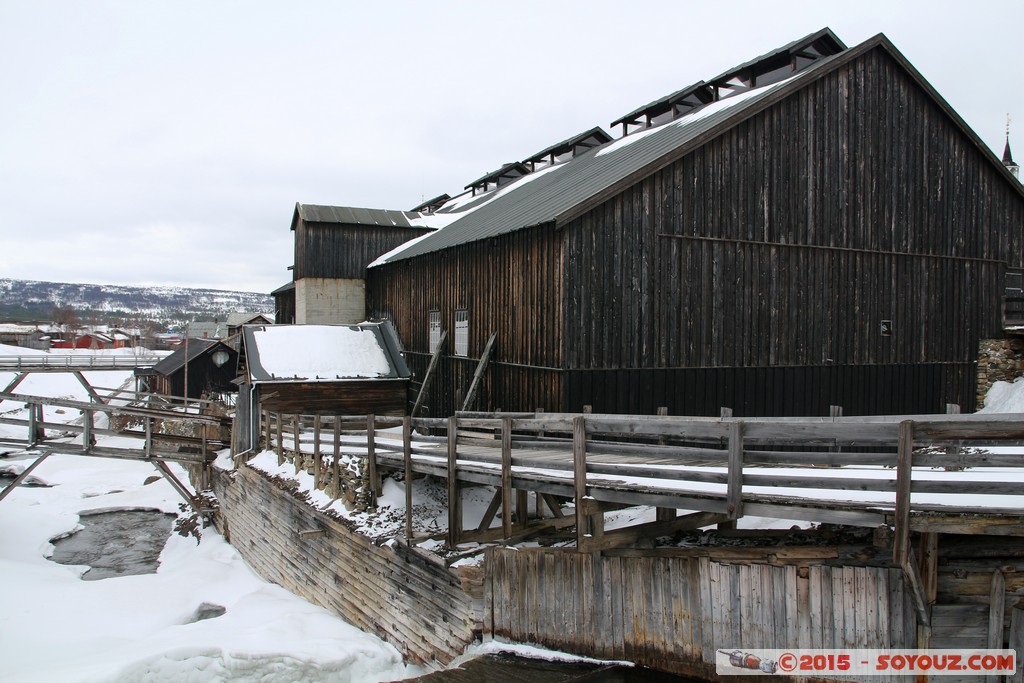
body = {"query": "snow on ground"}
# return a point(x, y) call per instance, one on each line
point(1005, 397)
point(56, 627)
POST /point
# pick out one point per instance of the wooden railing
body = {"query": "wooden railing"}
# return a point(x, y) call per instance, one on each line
point(149, 425)
point(75, 361)
point(727, 466)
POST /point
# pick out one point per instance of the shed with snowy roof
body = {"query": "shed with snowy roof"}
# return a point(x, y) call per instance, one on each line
point(814, 227)
point(321, 370)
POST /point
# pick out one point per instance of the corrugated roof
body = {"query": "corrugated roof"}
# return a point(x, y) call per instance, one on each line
point(313, 213)
point(544, 196)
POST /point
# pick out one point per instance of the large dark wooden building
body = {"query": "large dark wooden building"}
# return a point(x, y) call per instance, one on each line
point(815, 227)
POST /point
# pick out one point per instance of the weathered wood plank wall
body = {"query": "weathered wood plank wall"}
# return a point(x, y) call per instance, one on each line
point(418, 607)
point(335, 250)
point(511, 286)
point(674, 612)
point(770, 256)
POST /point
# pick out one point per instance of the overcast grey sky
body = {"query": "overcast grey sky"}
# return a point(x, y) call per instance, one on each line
point(167, 143)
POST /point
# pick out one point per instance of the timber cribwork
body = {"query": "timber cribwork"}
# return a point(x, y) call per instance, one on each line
point(674, 609)
point(421, 607)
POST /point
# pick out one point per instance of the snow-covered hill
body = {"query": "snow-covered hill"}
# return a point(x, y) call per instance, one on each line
point(33, 300)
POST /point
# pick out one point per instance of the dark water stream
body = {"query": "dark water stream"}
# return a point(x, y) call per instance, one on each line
point(116, 543)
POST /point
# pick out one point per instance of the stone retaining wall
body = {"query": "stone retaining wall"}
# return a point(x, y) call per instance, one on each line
point(999, 360)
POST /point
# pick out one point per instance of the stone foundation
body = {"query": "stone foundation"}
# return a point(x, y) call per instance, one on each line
point(999, 360)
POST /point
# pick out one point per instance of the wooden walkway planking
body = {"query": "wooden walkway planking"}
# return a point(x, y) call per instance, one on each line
point(708, 465)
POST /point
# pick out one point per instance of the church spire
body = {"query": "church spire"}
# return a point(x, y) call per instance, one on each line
point(1007, 155)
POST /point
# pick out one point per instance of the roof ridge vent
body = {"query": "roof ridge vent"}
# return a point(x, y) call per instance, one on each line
point(495, 179)
point(769, 68)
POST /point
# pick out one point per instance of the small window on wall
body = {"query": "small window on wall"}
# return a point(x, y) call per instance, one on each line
point(461, 332)
point(435, 330)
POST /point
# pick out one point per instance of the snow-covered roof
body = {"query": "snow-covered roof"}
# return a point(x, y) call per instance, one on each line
point(322, 353)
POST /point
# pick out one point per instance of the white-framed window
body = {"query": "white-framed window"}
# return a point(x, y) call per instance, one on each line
point(435, 330)
point(462, 332)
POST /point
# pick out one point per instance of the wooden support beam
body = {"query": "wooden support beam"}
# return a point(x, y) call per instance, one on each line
point(633, 534)
point(522, 503)
point(88, 440)
point(454, 486)
point(14, 382)
point(407, 457)
point(929, 550)
point(88, 387)
point(552, 504)
point(506, 475)
point(996, 611)
point(579, 459)
point(490, 512)
point(429, 377)
point(904, 472)
point(23, 476)
point(916, 585)
point(176, 484)
point(1017, 642)
point(481, 368)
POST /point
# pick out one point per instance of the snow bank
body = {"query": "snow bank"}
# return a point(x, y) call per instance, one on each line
point(1005, 397)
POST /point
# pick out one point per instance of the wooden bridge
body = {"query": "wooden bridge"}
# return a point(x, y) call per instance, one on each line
point(896, 474)
point(162, 432)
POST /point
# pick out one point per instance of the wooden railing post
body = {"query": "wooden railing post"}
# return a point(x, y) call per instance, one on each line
point(297, 443)
point(335, 467)
point(579, 462)
point(317, 461)
point(734, 491)
point(33, 424)
point(371, 456)
point(149, 437)
point(279, 423)
point(87, 437)
point(266, 430)
point(407, 454)
point(904, 472)
point(454, 488)
point(506, 476)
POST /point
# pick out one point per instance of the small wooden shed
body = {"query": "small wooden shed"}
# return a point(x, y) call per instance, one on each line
point(199, 367)
point(319, 370)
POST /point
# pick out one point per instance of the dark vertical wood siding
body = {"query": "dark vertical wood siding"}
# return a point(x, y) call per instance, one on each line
point(769, 257)
point(754, 273)
point(510, 286)
point(334, 250)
